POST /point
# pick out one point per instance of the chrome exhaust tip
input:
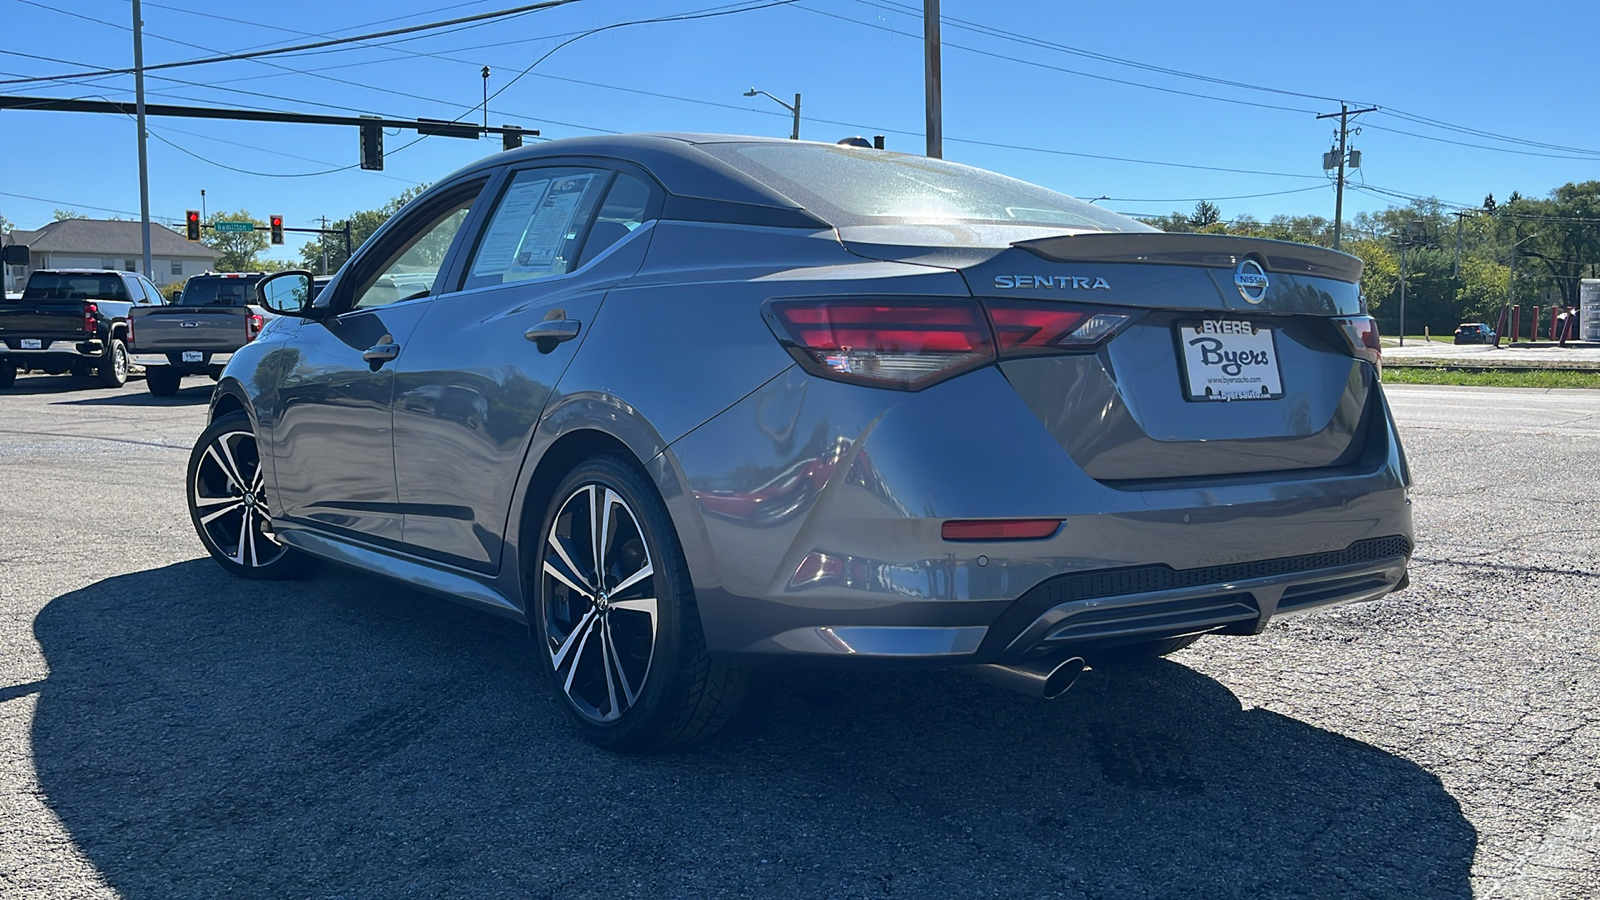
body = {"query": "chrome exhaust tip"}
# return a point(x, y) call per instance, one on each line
point(1046, 681)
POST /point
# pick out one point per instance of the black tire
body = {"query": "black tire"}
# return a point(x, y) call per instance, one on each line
point(8, 375)
point(1130, 654)
point(225, 487)
point(647, 682)
point(162, 381)
point(113, 367)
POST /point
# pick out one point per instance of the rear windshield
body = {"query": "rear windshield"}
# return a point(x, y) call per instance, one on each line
point(857, 186)
point(74, 286)
point(215, 290)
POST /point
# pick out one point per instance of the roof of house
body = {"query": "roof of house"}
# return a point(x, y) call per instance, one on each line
point(102, 237)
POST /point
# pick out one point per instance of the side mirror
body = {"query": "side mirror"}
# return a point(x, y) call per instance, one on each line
point(286, 293)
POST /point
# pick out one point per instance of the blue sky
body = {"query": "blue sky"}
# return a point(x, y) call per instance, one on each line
point(1519, 72)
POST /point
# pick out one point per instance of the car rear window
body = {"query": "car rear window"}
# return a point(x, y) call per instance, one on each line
point(73, 286)
point(215, 290)
point(857, 186)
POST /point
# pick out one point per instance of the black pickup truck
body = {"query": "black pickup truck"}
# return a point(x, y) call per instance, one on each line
point(72, 320)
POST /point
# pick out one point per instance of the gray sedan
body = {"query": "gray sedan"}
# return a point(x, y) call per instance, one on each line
point(684, 402)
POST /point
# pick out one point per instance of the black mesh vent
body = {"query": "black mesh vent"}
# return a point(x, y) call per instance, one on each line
point(1144, 579)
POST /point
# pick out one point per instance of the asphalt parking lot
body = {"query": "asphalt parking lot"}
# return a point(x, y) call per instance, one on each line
point(167, 731)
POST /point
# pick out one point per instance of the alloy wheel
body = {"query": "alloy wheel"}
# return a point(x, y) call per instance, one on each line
point(600, 609)
point(230, 504)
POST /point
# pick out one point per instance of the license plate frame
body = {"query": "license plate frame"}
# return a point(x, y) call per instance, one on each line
point(1229, 359)
point(31, 344)
point(193, 356)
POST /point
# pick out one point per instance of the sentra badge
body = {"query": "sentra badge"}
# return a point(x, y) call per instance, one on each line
point(1059, 282)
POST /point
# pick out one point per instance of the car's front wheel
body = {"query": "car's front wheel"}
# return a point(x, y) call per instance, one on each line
point(162, 381)
point(228, 503)
point(615, 618)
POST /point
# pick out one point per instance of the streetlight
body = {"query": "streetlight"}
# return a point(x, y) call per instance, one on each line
point(794, 110)
point(1511, 275)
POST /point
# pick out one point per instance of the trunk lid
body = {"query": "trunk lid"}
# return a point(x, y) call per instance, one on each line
point(1257, 321)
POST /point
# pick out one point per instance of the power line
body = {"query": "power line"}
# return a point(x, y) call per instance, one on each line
point(299, 48)
point(1208, 199)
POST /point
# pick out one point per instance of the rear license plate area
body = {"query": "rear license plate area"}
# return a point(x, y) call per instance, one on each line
point(31, 344)
point(1229, 359)
point(193, 356)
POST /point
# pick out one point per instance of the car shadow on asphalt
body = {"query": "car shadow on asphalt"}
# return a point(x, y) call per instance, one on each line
point(200, 735)
point(195, 396)
point(58, 384)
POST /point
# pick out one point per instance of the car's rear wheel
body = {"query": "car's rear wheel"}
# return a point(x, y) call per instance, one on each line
point(113, 368)
point(615, 618)
point(161, 381)
point(228, 503)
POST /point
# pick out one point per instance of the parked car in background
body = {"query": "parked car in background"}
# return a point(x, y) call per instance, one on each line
point(1474, 333)
point(73, 320)
point(214, 316)
point(683, 402)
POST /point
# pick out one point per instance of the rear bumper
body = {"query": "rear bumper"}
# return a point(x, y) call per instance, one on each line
point(810, 514)
point(91, 349)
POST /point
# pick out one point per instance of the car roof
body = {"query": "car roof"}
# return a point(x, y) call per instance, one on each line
point(674, 159)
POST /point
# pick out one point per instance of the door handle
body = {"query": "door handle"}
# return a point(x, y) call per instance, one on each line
point(380, 353)
point(550, 332)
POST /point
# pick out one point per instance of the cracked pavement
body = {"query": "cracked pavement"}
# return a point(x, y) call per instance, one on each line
point(169, 732)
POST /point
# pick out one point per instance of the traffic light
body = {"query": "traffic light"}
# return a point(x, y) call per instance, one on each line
point(277, 228)
point(193, 220)
point(371, 146)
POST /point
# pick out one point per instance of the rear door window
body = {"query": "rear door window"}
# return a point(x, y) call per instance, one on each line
point(74, 286)
point(215, 290)
point(538, 226)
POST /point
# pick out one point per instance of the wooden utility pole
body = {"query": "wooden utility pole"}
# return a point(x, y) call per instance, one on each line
point(1343, 115)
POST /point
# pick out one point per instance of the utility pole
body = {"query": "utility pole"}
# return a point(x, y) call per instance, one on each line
point(485, 104)
point(1455, 270)
point(144, 168)
point(323, 240)
point(934, 89)
point(1344, 114)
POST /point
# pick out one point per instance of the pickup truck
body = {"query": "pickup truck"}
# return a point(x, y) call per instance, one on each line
point(72, 320)
point(214, 316)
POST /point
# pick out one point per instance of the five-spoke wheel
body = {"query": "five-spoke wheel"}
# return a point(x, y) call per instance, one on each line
point(615, 615)
point(228, 501)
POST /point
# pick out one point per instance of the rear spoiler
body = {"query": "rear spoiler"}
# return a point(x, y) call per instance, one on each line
point(1221, 251)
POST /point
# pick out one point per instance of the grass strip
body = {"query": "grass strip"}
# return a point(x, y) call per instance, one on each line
point(1519, 378)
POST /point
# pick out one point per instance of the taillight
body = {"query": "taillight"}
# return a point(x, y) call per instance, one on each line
point(895, 343)
point(1361, 332)
point(910, 343)
point(1032, 329)
point(90, 326)
point(129, 325)
point(252, 326)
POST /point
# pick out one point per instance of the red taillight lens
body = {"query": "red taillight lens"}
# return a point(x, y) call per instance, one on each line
point(1361, 332)
point(1031, 329)
point(252, 326)
point(905, 344)
point(90, 326)
point(998, 529)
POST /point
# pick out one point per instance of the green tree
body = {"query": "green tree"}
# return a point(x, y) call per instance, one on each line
point(1205, 214)
point(1481, 289)
point(362, 225)
point(61, 215)
point(237, 251)
point(1558, 236)
point(5, 225)
point(1380, 270)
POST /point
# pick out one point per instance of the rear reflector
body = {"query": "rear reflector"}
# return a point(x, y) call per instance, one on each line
point(998, 529)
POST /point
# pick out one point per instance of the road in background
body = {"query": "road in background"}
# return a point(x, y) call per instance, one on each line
point(167, 731)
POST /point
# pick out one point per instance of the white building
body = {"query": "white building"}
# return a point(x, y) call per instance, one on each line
point(103, 244)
